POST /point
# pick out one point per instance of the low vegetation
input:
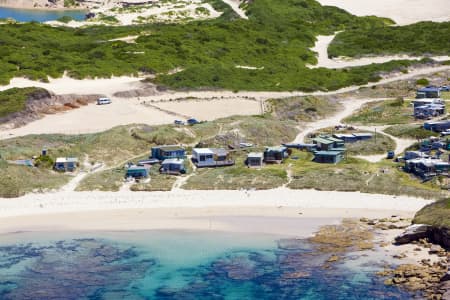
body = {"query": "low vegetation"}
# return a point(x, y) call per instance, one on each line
point(414, 39)
point(107, 181)
point(436, 214)
point(357, 175)
point(388, 112)
point(300, 109)
point(277, 36)
point(410, 131)
point(15, 99)
point(19, 180)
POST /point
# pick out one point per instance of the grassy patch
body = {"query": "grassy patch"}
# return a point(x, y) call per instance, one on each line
point(259, 130)
point(108, 180)
point(307, 108)
point(158, 182)
point(411, 131)
point(358, 175)
point(383, 112)
point(19, 180)
point(237, 177)
point(15, 99)
point(111, 147)
point(436, 214)
point(414, 39)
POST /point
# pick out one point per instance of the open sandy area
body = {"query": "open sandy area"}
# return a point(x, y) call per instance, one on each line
point(271, 211)
point(403, 12)
point(212, 109)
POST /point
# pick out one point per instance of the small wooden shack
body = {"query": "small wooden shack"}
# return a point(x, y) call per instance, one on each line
point(66, 164)
point(211, 157)
point(137, 172)
point(328, 157)
point(168, 152)
point(255, 159)
point(275, 154)
point(172, 166)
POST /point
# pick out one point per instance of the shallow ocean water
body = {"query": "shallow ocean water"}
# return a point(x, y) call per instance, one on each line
point(28, 15)
point(179, 265)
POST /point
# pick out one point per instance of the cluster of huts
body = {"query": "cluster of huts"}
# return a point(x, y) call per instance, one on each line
point(428, 103)
point(330, 148)
point(427, 162)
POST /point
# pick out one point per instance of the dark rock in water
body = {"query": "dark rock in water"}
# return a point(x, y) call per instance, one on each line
point(82, 269)
point(412, 233)
point(291, 244)
point(89, 15)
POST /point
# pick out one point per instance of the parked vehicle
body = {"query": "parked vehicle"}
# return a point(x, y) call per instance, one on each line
point(390, 155)
point(178, 122)
point(445, 88)
point(192, 121)
point(103, 101)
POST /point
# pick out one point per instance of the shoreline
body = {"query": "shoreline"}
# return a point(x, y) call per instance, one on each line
point(195, 209)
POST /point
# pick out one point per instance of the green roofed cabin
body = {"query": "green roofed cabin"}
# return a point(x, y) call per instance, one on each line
point(137, 172)
point(168, 152)
point(325, 143)
point(275, 154)
point(328, 157)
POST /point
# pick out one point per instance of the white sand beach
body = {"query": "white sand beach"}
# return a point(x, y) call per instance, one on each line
point(201, 210)
point(403, 12)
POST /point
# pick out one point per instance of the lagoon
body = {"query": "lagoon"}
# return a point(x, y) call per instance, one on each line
point(39, 15)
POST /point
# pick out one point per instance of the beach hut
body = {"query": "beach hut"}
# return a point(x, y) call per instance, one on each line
point(428, 92)
point(361, 136)
point(137, 172)
point(346, 137)
point(323, 143)
point(328, 157)
point(173, 166)
point(275, 154)
point(211, 157)
point(255, 159)
point(437, 126)
point(167, 152)
point(66, 164)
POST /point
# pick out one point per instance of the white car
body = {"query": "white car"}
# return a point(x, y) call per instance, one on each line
point(103, 101)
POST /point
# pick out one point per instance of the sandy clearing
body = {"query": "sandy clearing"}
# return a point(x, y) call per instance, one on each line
point(403, 12)
point(234, 4)
point(213, 109)
point(321, 48)
point(92, 118)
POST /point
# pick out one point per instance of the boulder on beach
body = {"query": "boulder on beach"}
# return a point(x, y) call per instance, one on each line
point(412, 233)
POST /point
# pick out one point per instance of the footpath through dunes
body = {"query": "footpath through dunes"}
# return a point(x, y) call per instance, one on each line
point(403, 12)
point(323, 61)
point(234, 4)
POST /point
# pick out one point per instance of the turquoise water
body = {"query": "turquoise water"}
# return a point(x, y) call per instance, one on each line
point(28, 15)
point(178, 265)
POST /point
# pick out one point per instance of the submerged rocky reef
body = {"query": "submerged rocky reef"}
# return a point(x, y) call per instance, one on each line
point(100, 269)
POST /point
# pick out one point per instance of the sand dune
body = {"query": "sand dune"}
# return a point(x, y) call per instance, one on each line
point(403, 12)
